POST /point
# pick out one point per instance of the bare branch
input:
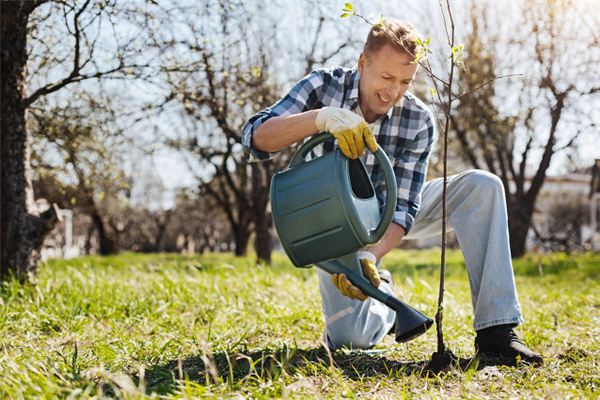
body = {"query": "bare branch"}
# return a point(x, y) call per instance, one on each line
point(53, 87)
point(445, 23)
point(483, 84)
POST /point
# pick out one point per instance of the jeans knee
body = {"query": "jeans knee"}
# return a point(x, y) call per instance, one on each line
point(484, 181)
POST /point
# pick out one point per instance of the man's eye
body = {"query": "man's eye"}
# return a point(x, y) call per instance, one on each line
point(387, 78)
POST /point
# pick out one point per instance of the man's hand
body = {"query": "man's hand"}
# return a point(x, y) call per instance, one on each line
point(369, 269)
point(349, 129)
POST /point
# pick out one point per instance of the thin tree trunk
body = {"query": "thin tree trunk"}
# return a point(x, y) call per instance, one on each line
point(22, 228)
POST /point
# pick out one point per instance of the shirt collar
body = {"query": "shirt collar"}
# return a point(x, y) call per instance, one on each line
point(353, 94)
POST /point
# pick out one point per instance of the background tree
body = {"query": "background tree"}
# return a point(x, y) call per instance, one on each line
point(77, 163)
point(62, 56)
point(198, 220)
point(566, 215)
point(519, 142)
point(227, 80)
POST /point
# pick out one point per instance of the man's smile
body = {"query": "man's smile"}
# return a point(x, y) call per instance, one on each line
point(383, 99)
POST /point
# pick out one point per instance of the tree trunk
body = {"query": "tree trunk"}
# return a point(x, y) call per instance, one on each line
point(22, 228)
point(519, 221)
point(241, 235)
point(162, 224)
point(107, 245)
point(263, 241)
point(88, 239)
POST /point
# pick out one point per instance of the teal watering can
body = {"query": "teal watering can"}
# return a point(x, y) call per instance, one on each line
point(325, 210)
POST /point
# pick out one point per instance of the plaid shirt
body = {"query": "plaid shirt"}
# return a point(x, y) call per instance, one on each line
point(406, 133)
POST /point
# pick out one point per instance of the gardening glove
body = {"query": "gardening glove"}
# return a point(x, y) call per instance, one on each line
point(349, 129)
point(369, 270)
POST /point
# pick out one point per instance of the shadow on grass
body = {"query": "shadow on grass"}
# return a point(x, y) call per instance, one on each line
point(238, 368)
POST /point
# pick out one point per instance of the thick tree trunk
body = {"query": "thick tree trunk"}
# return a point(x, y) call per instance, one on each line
point(88, 239)
point(22, 228)
point(241, 235)
point(162, 224)
point(263, 241)
point(519, 222)
point(107, 245)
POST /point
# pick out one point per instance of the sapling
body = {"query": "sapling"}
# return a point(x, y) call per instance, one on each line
point(443, 358)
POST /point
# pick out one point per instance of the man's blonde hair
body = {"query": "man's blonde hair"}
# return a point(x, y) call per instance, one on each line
point(400, 34)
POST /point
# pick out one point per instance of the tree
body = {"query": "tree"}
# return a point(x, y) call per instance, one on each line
point(22, 24)
point(230, 78)
point(200, 221)
point(567, 214)
point(518, 145)
point(23, 227)
point(83, 168)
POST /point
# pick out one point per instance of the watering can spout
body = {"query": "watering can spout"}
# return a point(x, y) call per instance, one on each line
point(410, 323)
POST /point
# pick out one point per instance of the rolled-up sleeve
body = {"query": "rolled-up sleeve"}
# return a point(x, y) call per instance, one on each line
point(410, 170)
point(304, 96)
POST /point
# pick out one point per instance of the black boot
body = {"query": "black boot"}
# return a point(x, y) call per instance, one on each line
point(501, 343)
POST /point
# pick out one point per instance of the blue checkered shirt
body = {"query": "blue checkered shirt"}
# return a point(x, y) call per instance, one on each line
point(406, 133)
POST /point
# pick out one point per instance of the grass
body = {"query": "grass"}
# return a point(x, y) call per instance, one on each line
point(164, 326)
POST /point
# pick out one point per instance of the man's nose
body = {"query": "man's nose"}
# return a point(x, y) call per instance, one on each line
point(392, 90)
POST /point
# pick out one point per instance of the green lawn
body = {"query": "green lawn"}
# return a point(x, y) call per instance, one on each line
point(172, 326)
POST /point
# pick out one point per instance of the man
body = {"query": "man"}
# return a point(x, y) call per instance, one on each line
point(369, 105)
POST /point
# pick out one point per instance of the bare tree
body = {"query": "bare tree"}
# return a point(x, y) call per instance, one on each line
point(22, 24)
point(230, 78)
point(518, 145)
point(76, 164)
point(561, 230)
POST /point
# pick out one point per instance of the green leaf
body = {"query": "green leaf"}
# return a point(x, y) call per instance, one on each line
point(348, 7)
point(345, 15)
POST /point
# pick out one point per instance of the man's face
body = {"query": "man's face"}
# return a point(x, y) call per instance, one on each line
point(384, 77)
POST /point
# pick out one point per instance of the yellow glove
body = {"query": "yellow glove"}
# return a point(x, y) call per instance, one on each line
point(369, 270)
point(349, 129)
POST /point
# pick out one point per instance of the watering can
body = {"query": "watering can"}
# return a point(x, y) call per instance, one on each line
point(325, 210)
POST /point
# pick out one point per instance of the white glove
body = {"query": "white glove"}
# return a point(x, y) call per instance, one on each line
point(349, 129)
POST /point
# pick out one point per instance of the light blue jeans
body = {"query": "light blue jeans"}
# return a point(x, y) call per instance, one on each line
point(477, 214)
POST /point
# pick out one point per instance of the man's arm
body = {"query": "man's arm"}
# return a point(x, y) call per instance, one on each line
point(302, 113)
point(280, 132)
point(294, 119)
point(391, 238)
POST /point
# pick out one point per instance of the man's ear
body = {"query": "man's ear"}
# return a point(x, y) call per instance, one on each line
point(362, 60)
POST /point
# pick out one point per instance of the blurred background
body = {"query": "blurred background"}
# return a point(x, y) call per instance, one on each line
point(134, 112)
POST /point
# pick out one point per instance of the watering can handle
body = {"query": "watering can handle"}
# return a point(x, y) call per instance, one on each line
point(388, 173)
